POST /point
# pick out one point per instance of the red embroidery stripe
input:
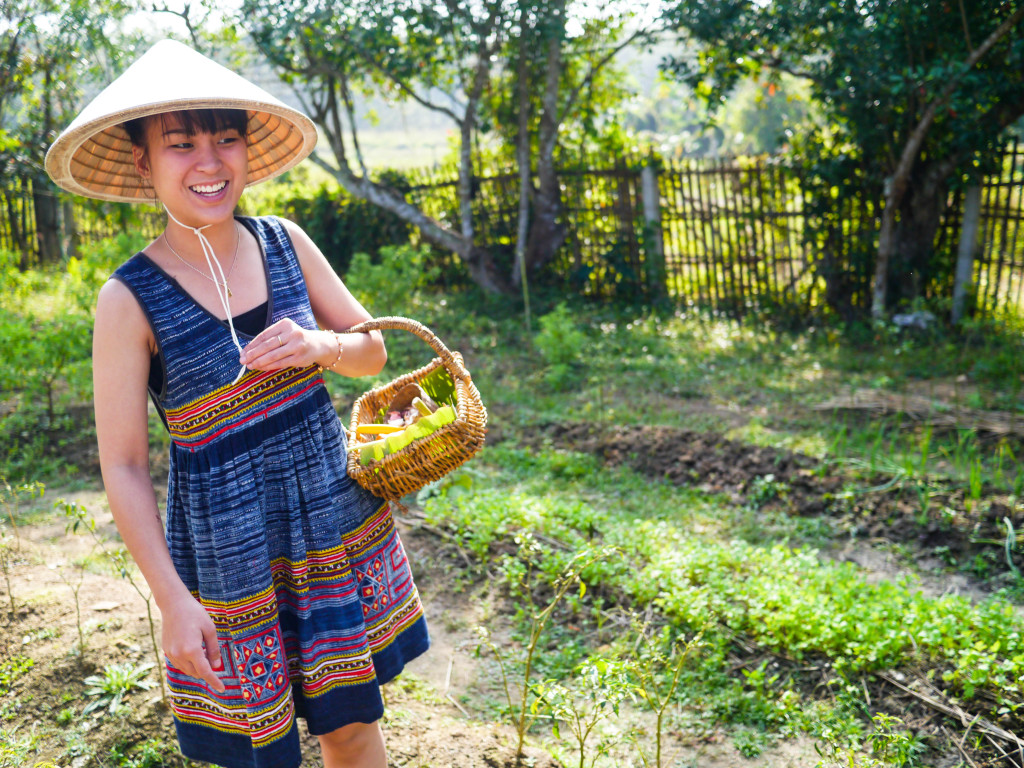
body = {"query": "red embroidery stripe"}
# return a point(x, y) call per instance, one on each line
point(204, 404)
point(249, 418)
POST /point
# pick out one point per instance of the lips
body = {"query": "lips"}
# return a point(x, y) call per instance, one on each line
point(209, 189)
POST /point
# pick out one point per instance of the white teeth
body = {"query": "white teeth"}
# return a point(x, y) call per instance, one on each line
point(209, 189)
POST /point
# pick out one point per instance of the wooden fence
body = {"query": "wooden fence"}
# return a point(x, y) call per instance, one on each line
point(739, 234)
point(732, 235)
point(78, 221)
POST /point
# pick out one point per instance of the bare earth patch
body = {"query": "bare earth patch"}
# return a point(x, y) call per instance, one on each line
point(440, 712)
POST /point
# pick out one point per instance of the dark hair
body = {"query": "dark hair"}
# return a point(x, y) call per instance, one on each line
point(193, 121)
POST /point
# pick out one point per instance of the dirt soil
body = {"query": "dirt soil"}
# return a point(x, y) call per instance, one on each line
point(958, 546)
point(441, 713)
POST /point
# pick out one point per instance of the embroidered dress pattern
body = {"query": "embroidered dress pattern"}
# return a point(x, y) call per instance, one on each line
point(301, 570)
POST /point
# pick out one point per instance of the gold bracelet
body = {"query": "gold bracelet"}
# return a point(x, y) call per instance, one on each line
point(337, 360)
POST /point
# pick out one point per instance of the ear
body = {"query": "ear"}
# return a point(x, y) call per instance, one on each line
point(141, 160)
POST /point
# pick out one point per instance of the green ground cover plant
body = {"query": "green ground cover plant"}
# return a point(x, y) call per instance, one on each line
point(782, 600)
point(737, 568)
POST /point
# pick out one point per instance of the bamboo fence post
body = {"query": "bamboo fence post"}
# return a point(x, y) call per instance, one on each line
point(965, 254)
point(654, 243)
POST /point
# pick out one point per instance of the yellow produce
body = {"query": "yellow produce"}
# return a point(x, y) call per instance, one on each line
point(377, 429)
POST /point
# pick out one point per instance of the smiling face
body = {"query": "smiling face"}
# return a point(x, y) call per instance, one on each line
point(197, 170)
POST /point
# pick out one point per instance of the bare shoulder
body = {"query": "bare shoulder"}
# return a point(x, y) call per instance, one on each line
point(118, 313)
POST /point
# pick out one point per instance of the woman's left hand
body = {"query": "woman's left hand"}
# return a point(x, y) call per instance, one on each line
point(285, 344)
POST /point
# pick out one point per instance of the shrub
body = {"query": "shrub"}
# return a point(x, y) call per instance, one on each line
point(561, 345)
point(385, 286)
point(343, 226)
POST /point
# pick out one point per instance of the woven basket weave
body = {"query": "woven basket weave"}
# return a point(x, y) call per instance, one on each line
point(434, 456)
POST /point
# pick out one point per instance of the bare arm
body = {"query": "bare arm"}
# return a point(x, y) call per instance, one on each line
point(122, 346)
point(335, 308)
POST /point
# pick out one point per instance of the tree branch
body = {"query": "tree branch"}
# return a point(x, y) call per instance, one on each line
point(346, 97)
point(185, 14)
point(404, 87)
point(967, 31)
point(901, 173)
point(595, 68)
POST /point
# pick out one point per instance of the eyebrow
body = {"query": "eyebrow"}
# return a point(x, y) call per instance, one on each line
point(173, 131)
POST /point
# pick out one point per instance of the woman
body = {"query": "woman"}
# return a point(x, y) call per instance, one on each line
point(282, 585)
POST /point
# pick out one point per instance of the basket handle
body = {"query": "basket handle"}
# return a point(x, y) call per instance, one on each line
point(405, 324)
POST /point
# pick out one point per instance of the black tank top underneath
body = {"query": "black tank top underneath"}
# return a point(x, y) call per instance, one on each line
point(251, 322)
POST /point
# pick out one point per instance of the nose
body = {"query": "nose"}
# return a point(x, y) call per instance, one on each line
point(207, 158)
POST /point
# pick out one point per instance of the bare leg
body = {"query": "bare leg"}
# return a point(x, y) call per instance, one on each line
point(354, 746)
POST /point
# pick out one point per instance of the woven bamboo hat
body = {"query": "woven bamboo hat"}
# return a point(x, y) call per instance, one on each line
point(93, 156)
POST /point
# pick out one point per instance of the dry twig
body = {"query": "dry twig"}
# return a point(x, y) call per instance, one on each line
point(954, 711)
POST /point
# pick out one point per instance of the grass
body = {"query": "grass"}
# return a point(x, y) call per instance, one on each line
point(746, 573)
point(678, 555)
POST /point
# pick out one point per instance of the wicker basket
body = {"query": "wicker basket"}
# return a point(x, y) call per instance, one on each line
point(434, 456)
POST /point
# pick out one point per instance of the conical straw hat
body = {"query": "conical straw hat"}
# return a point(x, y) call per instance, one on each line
point(93, 156)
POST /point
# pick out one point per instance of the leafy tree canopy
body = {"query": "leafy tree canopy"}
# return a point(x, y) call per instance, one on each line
point(874, 65)
point(916, 95)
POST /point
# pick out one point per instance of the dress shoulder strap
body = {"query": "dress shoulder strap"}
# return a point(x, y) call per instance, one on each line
point(288, 292)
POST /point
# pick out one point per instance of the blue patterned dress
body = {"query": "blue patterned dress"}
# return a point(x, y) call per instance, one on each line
point(301, 569)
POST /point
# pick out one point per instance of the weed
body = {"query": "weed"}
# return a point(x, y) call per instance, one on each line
point(523, 712)
point(895, 748)
point(114, 684)
point(77, 517)
point(1009, 545)
point(152, 753)
point(43, 633)
point(12, 669)
point(119, 558)
point(561, 345)
point(15, 749)
point(657, 668)
point(765, 488)
point(597, 688)
point(11, 497)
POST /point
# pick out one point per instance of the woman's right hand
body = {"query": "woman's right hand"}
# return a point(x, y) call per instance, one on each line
point(190, 641)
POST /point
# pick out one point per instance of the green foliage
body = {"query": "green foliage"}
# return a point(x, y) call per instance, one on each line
point(41, 357)
point(561, 344)
point(560, 88)
point(11, 497)
point(116, 682)
point(657, 668)
point(13, 668)
point(389, 284)
point(875, 69)
point(873, 79)
point(343, 226)
point(152, 753)
point(782, 600)
point(536, 617)
point(588, 700)
point(45, 362)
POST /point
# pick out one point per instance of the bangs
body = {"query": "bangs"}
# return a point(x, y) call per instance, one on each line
point(192, 121)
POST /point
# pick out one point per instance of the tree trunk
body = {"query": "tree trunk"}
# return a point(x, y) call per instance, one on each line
point(15, 204)
point(519, 277)
point(70, 227)
point(911, 266)
point(907, 237)
point(547, 232)
point(47, 210)
point(965, 253)
point(479, 261)
point(888, 240)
